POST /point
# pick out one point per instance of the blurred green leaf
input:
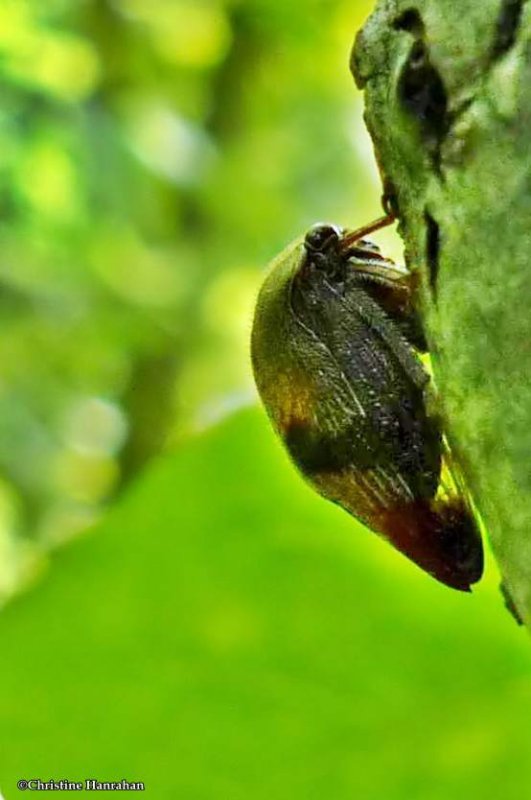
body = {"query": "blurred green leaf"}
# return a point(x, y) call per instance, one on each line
point(227, 634)
point(153, 158)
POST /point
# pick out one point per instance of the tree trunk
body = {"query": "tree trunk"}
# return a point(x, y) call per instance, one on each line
point(448, 105)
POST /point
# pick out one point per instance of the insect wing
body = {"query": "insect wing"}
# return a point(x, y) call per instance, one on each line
point(345, 389)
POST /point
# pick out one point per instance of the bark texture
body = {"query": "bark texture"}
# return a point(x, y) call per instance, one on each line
point(448, 105)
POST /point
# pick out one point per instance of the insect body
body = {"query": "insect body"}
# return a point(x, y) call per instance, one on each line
point(335, 350)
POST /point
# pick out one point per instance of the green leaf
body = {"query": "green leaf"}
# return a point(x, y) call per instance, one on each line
point(227, 634)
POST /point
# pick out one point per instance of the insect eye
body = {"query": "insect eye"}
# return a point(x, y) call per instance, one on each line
point(321, 237)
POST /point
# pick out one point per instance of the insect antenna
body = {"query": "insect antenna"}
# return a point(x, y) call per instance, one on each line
point(354, 236)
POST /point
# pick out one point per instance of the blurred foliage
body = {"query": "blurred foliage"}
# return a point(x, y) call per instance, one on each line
point(226, 634)
point(223, 633)
point(154, 156)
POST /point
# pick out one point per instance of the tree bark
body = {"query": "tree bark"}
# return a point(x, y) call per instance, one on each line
point(448, 105)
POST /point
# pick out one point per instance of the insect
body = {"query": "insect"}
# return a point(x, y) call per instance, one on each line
point(336, 346)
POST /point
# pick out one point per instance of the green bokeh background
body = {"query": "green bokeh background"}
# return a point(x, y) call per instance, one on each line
point(179, 608)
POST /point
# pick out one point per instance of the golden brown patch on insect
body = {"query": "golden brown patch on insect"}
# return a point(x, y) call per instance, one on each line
point(294, 402)
point(354, 490)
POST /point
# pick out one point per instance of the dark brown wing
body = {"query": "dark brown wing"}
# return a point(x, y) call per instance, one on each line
point(370, 444)
point(368, 386)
